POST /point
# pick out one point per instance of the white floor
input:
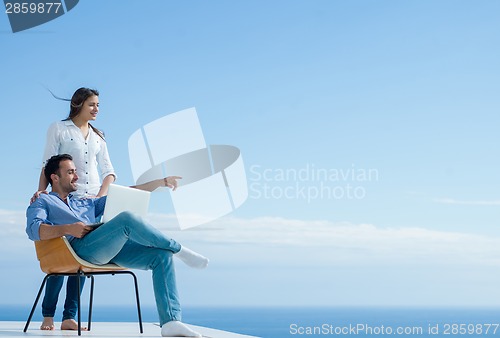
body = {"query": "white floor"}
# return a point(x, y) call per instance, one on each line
point(105, 329)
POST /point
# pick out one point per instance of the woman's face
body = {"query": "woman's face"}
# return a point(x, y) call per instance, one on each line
point(90, 108)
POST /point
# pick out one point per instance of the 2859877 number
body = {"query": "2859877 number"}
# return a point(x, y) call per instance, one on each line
point(470, 329)
point(26, 7)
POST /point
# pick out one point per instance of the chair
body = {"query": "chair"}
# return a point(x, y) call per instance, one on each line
point(57, 258)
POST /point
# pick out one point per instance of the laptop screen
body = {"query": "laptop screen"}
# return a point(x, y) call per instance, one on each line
point(122, 198)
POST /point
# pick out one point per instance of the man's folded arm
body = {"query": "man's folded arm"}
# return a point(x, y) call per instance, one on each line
point(48, 231)
point(39, 227)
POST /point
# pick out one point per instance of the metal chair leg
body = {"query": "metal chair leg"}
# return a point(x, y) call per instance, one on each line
point(36, 302)
point(91, 302)
point(79, 275)
point(137, 300)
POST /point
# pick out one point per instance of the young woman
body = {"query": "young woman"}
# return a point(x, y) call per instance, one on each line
point(76, 136)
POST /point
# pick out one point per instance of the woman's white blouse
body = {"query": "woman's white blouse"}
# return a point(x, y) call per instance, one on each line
point(90, 155)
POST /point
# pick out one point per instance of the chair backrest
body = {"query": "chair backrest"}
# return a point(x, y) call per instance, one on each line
point(57, 256)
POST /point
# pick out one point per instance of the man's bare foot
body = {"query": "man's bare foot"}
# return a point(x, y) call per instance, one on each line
point(71, 324)
point(47, 324)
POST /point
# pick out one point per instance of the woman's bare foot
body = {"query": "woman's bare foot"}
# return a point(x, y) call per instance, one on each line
point(71, 324)
point(47, 324)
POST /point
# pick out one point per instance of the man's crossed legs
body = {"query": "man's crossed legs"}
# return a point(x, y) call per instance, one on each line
point(132, 243)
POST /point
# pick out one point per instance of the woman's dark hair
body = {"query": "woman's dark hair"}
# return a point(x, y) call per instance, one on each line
point(52, 165)
point(79, 97)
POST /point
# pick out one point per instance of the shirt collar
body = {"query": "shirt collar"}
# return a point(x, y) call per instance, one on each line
point(70, 195)
point(69, 122)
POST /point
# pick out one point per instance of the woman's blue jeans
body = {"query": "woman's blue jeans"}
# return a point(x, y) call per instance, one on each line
point(52, 290)
point(127, 240)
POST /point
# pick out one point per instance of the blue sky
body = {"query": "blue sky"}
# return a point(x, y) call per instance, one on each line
point(407, 89)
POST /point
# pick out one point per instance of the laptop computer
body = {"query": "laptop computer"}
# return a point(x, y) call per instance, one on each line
point(121, 199)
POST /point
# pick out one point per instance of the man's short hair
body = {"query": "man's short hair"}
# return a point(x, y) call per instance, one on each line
point(52, 165)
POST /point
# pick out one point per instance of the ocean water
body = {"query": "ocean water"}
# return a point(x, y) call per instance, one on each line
point(280, 322)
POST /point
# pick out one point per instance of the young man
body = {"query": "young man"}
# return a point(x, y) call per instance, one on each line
point(125, 240)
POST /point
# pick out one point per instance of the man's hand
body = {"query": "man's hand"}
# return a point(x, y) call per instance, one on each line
point(37, 194)
point(78, 229)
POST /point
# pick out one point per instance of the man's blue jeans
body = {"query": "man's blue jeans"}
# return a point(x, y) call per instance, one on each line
point(52, 290)
point(129, 241)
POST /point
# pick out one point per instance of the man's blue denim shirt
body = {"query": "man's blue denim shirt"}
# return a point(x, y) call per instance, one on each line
point(51, 209)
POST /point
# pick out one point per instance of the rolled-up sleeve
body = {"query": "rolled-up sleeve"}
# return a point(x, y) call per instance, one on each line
point(52, 143)
point(35, 216)
point(104, 162)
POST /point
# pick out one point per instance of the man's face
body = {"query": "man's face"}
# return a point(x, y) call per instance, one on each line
point(66, 177)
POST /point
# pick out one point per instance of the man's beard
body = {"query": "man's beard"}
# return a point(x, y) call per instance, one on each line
point(72, 187)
